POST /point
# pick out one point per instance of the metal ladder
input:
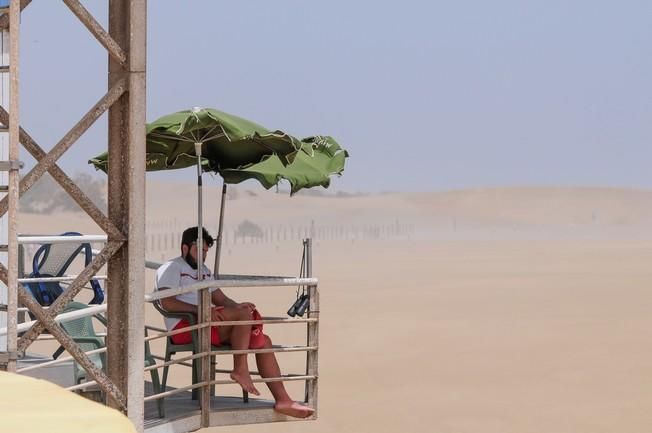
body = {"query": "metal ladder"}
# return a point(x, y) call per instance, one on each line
point(12, 166)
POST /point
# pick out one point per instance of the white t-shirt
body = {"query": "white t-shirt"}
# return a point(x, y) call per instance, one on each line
point(177, 273)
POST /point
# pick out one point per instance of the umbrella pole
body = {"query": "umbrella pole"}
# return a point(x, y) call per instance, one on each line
point(204, 310)
point(200, 232)
point(218, 242)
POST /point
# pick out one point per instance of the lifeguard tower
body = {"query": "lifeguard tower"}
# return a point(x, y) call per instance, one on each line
point(121, 377)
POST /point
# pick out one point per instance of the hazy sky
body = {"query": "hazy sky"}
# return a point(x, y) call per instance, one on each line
point(424, 94)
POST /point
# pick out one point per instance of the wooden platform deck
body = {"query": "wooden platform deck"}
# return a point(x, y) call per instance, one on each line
point(182, 413)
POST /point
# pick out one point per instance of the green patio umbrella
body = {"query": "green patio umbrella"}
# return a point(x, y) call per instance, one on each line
point(211, 139)
point(320, 157)
point(227, 141)
point(237, 149)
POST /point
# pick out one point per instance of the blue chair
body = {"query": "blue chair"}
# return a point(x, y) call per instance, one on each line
point(52, 260)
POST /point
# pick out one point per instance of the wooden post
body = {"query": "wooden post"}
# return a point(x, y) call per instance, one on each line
point(14, 125)
point(125, 285)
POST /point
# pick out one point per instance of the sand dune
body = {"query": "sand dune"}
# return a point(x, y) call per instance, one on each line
point(532, 211)
point(522, 208)
point(608, 206)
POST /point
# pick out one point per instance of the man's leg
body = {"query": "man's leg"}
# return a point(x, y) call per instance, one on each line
point(268, 367)
point(238, 336)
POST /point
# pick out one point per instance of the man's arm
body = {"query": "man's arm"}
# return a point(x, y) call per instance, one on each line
point(221, 300)
point(173, 305)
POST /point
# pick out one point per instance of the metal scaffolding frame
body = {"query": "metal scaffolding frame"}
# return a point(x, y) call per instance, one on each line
point(124, 252)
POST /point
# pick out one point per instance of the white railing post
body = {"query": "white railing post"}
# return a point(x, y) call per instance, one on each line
point(313, 334)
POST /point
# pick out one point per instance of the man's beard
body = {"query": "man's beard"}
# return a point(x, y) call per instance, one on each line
point(191, 261)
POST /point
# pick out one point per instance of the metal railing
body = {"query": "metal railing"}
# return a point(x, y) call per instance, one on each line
point(206, 352)
point(204, 355)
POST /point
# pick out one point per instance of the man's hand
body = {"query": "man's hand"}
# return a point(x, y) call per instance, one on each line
point(217, 314)
point(248, 305)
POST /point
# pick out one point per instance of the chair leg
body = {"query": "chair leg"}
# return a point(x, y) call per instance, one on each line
point(196, 365)
point(195, 378)
point(58, 352)
point(212, 377)
point(160, 403)
point(245, 396)
point(168, 356)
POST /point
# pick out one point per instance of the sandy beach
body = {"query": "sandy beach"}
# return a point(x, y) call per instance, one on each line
point(495, 336)
point(454, 326)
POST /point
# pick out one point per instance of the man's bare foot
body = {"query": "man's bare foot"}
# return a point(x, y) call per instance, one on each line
point(244, 379)
point(293, 409)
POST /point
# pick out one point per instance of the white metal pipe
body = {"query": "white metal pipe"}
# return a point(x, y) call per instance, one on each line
point(176, 361)
point(256, 282)
point(204, 297)
point(182, 360)
point(177, 331)
point(4, 307)
point(85, 312)
point(82, 386)
point(149, 264)
point(163, 333)
point(275, 349)
point(220, 229)
point(157, 366)
point(174, 391)
point(24, 240)
point(58, 361)
point(57, 279)
point(265, 321)
point(286, 378)
point(312, 358)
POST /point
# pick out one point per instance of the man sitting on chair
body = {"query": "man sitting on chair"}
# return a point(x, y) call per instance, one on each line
point(182, 271)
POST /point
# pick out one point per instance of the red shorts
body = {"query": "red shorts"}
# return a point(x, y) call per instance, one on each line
point(257, 340)
point(186, 337)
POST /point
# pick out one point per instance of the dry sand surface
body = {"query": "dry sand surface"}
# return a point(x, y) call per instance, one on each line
point(495, 336)
point(546, 330)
